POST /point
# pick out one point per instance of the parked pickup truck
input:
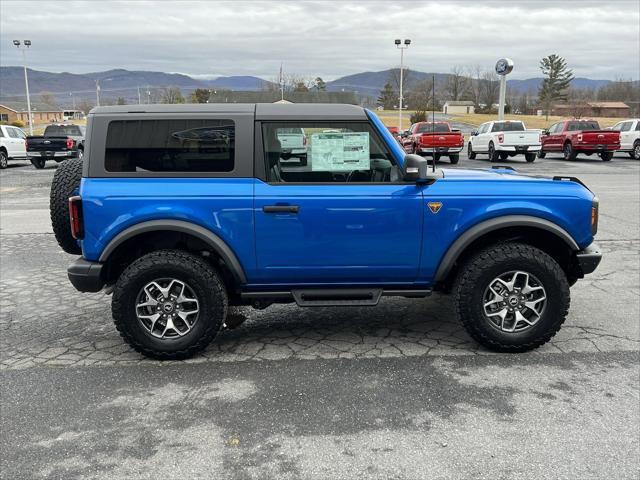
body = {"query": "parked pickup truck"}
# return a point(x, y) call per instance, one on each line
point(435, 139)
point(629, 137)
point(178, 233)
point(571, 137)
point(12, 144)
point(59, 142)
point(293, 144)
point(503, 139)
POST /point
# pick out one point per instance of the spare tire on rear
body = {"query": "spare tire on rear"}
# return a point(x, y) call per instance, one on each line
point(65, 182)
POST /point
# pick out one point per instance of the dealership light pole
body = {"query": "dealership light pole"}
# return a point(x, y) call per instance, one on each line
point(402, 47)
point(24, 47)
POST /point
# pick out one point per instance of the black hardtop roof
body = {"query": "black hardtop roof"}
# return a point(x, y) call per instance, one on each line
point(262, 111)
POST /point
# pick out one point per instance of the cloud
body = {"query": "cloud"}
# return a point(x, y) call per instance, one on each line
point(330, 38)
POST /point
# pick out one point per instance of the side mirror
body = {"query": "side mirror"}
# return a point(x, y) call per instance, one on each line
point(416, 168)
point(545, 132)
point(474, 133)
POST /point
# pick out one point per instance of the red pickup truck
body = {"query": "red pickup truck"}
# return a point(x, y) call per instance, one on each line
point(435, 139)
point(571, 137)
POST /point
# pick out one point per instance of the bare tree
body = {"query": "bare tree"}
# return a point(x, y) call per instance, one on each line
point(171, 95)
point(85, 105)
point(420, 96)
point(457, 84)
point(489, 88)
point(394, 79)
point(475, 79)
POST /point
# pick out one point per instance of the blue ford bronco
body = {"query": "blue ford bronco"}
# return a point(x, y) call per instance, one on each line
point(183, 211)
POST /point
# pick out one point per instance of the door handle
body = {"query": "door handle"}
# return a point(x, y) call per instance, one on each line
point(281, 209)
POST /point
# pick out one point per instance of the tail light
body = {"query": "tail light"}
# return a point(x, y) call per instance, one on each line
point(69, 143)
point(26, 143)
point(595, 206)
point(579, 137)
point(500, 138)
point(75, 217)
point(304, 140)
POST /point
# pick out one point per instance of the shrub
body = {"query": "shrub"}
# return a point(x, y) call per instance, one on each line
point(418, 116)
point(18, 123)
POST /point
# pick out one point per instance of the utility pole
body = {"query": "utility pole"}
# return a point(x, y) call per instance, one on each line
point(402, 47)
point(27, 44)
point(139, 99)
point(97, 93)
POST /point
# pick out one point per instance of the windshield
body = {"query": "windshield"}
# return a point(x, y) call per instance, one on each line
point(62, 131)
point(508, 127)
point(433, 128)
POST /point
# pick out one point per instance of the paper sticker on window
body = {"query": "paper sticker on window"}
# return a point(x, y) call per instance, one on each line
point(340, 151)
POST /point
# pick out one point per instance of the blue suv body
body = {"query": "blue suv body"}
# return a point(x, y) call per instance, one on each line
point(191, 209)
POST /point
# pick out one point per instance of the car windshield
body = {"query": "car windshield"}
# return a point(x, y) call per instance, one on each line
point(433, 128)
point(508, 127)
point(62, 130)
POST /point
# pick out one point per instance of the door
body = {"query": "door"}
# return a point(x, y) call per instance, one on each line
point(553, 141)
point(20, 144)
point(344, 218)
point(480, 141)
point(626, 135)
point(15, 143)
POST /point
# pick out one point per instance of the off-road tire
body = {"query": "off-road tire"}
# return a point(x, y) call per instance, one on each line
point(493, 155)
point(568, 152)
point(470, 153)
point(454, 158)
point(606, 156)
point(191, 269)
point(39, 163)
point(475, 276)
point(65, 181)
point(541, 154)
point(530, 157)
point(4, 159)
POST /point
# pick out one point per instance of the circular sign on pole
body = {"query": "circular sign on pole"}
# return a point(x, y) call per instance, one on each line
point(504, 66)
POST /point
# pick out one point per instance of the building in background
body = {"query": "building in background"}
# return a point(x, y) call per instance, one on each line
point(458, 106)
point(592, 109)
point(15, 111)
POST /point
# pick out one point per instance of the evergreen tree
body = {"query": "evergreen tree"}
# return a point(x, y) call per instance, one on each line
point(387, 98)
point(200, 95)
point(556, 83)
point(320, 84)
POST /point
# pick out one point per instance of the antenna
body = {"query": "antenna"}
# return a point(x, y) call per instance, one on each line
point(433, 116)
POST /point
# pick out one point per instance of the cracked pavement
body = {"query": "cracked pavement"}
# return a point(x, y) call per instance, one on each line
point(397, 391)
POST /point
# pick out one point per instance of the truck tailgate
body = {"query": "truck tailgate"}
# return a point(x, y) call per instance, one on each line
point(521, 138)
point(599, 137)
point(451, 139)
point(46, 144)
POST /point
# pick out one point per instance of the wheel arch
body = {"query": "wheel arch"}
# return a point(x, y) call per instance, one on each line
point(153, 235)
point(539, 232)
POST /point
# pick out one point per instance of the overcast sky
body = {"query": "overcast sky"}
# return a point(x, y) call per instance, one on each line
point(330, 39)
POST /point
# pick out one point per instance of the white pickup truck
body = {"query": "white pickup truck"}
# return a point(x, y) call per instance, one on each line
point(293, 145)
point(12, 144)
point(503, 139)
point(629, 137)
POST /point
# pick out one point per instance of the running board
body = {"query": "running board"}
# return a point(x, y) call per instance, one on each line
point(334, 297)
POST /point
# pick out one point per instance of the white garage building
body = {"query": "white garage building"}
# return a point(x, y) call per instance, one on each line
point(458, 106)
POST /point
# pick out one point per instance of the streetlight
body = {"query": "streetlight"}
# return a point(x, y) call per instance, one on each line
point(27, 44)
point(401, 46)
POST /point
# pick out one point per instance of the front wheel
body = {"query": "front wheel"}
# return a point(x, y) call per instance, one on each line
point(541, 154)
point(470, 153)
point(39, 163)
point(4, 159)
point(530, 157)
point(169, 304)
point(635, 154)
point(512, 297)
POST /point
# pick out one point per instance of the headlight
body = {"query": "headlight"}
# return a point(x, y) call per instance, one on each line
point(594, 215)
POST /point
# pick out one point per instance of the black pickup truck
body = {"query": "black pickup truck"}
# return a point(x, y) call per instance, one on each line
point(59, 142)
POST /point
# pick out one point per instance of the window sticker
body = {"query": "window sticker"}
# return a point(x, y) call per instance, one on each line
point(340, 151)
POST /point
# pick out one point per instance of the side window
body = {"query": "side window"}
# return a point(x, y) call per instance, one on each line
point(12, 132)
point(483, 128)
point(1, 133)
point(326, 152)
point(625, 127)
point(196, 145)
point(637, 126)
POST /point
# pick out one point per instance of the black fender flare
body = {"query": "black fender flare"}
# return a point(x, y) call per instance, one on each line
point(482, 228)
point(217, 244)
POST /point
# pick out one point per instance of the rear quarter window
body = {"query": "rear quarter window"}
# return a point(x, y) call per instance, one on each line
point(177, 145)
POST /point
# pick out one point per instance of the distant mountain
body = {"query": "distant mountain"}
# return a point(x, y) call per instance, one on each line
point(370, 83)
point(121, 78)
point(239, 83)
point(12, 81)
point(531, 85)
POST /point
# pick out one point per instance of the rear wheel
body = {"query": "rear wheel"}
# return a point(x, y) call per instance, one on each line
point(606, 156)
point(569, 152)
point(512, 297)
point(503, 156)
point(4, 159)
point(493, 155)
point(470, 153)
point(541, 154)
point(635, 154)
point(169, 304)
point(454, 158)
point(530, 157)
point(65, 183)
point(39, 163)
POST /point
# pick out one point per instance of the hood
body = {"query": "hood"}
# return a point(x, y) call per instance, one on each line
point(491, 174)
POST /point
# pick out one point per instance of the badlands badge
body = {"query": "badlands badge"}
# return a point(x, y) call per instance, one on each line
point(434, 206)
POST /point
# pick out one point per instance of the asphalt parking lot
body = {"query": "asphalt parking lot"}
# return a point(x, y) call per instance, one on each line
point(399, 391)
